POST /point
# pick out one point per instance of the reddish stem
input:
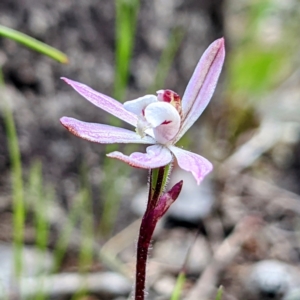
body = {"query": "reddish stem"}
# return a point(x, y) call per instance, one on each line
point(158, 205)
point(146, 231)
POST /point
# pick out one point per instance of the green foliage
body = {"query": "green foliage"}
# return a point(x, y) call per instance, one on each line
point(254, 69)
point(179, 286)
point(111, 189)
point(33, 44)
point(219, 293)
point(126, 17)
point(17, 181)
point(87, 226)
point(261, 59)
point(19, 209)
point(66, 232)
point(38, 196)
point(257, 63)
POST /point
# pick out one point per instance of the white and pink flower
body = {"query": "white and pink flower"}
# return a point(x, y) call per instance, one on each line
point(160, 120)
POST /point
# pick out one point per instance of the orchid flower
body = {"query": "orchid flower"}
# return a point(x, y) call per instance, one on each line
point(160, 120)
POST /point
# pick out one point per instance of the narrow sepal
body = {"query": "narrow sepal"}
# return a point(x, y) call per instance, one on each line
point(104, 102)
point(202, 85)
point(103, 134)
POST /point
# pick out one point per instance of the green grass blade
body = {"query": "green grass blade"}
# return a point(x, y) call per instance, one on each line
point(33, 44)
point(87, 224)
point(219, 293)
point(40, 195)
point(112, 191)
point(126, 17)
point(43, 229)
point(179, 286)
point(86, 251)
point(65, 234)
point(17, 182)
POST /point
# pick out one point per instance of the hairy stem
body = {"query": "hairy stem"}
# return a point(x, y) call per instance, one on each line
point(145, 235)
point(149, 221)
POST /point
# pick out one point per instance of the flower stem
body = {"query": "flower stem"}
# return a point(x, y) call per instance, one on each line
point(145, 235)
point(158, 180)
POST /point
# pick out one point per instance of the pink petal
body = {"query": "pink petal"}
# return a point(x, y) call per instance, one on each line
point(104, 102)
point(192, 162)
point(156, 156)
point(165, 120)
point(103, 134)
point(202, 85)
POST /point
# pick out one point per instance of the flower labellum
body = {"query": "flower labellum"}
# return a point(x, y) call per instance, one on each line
point(160, 120)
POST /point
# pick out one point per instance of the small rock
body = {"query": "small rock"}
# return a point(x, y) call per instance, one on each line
point(195, 202)
point(294, 294)
point(272, 278)
point(64, 284)
point(173, 249)
point(139, 202)
point(165, 285)
point(35, 263)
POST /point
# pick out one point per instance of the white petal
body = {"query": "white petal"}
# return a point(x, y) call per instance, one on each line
point(164, 119)
point(138, 105)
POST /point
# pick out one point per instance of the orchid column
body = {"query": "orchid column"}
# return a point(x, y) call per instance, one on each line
point(160, 120)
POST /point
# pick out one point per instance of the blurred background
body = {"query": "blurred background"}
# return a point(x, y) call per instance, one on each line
point(69, 217)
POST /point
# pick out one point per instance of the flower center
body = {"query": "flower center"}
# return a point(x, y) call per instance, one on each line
point(170, 97)
point(159, 116)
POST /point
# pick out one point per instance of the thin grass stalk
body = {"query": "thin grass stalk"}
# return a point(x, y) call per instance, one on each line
point(65, 235)
point(37, 200)
point(87, 229)
point(33, 44)
point(85, 259)
point(219, 293)
point(112, 193)
point(43, 231)
point(176, 295)
point(86, 251)
point(126, 19)
point(17, 183)
point(39, 195)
